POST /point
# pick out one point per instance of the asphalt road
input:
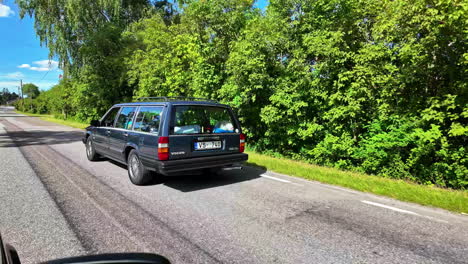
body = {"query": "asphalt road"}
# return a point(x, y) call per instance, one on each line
point(55, 203)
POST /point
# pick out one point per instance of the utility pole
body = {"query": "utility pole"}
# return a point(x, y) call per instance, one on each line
point(22, 99)
point(19, 94)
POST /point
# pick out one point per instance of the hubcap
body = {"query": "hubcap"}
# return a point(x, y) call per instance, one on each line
point(134, 166)
point(89, 148)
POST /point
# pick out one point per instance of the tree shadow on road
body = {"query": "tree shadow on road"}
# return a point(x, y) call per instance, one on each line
point(38, 137)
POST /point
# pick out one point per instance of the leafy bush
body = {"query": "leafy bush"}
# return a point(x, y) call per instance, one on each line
point(374, 86)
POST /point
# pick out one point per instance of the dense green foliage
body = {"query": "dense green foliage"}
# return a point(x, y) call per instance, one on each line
point(6, 96)
point(31, 90)
point(374, 86)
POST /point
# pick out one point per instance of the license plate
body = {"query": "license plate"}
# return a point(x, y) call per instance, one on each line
point(207, 145)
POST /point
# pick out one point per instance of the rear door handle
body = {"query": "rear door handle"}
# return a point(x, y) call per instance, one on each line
point(125, 134)
point(108, 132)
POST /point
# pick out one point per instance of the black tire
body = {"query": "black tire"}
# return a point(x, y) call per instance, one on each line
point(90, 150)
point(137, 172)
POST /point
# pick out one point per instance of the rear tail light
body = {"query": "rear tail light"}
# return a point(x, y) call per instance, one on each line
point(163, 148)
point(242, 143)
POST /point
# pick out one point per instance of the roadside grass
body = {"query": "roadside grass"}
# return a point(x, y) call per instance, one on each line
point(456, 201)
point(51, 118)
point(452, 200)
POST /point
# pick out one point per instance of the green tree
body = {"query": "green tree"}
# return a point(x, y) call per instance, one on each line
point(31, 90)
point(186, 58)
point(373, 86)
point(66, 25)
point(6, 96)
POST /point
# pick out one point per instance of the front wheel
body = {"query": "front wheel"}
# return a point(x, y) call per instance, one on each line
point(90, 150)
point(137, 172)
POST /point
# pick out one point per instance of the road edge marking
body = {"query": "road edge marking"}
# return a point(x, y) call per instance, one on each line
point(404, 211)
point(274, 178)
point(390, 207)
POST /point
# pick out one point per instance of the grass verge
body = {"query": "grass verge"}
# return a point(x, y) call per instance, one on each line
point(452, 200)
point(53, 119)
point(456, 201)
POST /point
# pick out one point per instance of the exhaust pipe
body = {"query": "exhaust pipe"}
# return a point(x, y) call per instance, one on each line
point(231, 168)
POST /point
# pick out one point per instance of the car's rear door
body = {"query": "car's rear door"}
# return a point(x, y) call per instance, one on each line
point(146, 131)
point(201, 130)
point(119, 135)
point(101, 137)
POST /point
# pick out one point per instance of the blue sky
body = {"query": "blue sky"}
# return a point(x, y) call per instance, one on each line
point(21, 55)
point(261, 3)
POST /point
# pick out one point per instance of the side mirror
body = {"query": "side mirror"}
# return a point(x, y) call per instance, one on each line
point(116, 258)
point(95, 123)
point(8, 254)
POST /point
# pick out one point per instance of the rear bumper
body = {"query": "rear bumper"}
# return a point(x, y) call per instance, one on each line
point(183, 165)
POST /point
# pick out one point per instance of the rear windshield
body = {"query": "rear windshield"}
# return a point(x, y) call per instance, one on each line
point(200, 119)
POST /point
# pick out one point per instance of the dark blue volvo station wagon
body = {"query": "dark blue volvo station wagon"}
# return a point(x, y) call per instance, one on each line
point(167, 136)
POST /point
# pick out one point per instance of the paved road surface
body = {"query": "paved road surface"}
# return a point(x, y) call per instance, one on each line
point(55, 203)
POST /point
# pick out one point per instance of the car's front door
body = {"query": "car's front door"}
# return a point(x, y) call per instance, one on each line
point(101, 138)
point(119, 135)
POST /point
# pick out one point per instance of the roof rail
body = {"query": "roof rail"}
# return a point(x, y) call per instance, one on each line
point(175, 98)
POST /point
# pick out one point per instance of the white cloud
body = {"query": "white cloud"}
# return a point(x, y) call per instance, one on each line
point(14, 75)
point(39, 69)
point(47, 64)
point(42, 65)
point(5, 11)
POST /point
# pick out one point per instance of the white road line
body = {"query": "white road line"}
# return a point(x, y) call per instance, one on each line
point(314, 182)
point(273, 178)
point(354, 192)
point(391, 208)
point(404, 211)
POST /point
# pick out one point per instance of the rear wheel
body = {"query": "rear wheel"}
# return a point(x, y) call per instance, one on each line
point(90, 150)
point(137, 172)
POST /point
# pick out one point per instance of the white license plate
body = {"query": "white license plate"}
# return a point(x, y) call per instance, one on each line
point(207, 145)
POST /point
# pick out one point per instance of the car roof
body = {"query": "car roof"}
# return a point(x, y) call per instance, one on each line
point(178, 102)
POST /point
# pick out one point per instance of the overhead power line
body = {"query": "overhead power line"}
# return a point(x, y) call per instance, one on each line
point(44, 75)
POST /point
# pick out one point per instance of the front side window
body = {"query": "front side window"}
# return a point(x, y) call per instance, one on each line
point(125, 118)
point(200, 119)
point(148, 119)
point(108, 120)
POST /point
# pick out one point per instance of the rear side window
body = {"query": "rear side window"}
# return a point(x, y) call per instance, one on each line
point(125, 118)
point(200, 119)
point(108, 120)
point(148, 119)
